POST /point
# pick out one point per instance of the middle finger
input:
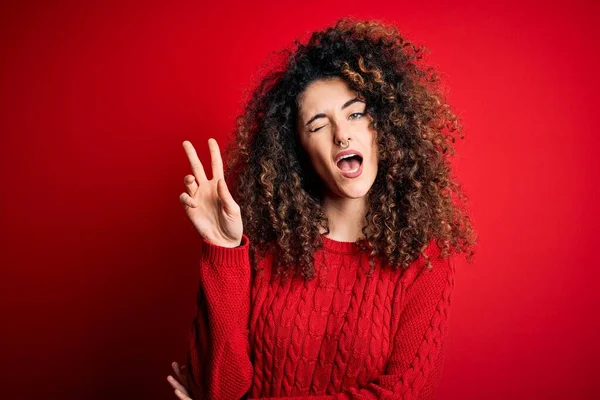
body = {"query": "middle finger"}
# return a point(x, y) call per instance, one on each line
point(216, 161)
point(177, 370)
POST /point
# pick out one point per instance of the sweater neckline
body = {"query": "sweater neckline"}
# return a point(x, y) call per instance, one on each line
point(339, 246)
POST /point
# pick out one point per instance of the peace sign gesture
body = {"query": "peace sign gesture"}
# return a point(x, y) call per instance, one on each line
point(208, 203)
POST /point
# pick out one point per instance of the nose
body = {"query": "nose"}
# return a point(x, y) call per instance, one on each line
point(341, 133)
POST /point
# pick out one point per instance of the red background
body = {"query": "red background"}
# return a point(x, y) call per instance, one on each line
point(99, 260)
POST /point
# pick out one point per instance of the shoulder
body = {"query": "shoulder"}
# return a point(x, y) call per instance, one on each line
point(431, 270)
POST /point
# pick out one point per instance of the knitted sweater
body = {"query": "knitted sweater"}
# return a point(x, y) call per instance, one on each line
point(342, 335)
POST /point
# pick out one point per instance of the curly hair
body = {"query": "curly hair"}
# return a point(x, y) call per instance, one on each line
point(414, 201)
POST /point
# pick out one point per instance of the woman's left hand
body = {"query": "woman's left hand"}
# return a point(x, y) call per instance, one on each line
point(181, 387)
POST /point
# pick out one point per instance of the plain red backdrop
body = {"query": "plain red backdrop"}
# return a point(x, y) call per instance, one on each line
point(99, 260)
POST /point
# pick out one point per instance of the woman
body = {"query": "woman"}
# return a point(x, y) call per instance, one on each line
point(326, 272)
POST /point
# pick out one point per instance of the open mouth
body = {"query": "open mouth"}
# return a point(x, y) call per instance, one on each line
point(350, 164)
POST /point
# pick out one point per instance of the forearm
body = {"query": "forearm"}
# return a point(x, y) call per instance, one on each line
point(218, 351)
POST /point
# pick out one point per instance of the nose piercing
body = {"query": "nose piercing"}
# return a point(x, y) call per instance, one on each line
point(346, 146)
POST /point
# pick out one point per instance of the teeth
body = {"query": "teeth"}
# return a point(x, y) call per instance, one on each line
point(347, 156)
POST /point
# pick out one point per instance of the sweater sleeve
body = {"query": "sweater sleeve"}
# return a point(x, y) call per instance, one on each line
point(416, 360)
point(218, 356)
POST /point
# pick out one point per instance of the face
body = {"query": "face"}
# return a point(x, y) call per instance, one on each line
point(330, 112)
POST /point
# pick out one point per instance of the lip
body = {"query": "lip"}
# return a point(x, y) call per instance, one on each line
point(343, 153)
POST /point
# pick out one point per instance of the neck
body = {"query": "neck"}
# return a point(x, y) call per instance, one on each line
point(346, 217)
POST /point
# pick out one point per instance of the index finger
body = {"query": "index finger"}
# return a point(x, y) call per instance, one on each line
point(197, 168)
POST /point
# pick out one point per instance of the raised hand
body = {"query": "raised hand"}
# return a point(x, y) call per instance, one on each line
point(208, 203)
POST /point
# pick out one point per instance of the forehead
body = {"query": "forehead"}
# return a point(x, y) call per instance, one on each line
point(324, 94)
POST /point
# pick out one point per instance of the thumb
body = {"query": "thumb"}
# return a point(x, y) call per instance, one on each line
point(225, 196)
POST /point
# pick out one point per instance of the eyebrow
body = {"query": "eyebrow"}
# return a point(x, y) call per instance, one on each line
point(346, 104)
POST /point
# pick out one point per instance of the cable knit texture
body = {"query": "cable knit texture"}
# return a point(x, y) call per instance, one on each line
point(342, 335)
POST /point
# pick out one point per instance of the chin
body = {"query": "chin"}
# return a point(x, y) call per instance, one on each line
point(351, 189)
point(355, 191)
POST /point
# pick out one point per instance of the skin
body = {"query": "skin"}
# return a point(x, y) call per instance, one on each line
point(208, 202)
point(345, 198)
point(179, 386)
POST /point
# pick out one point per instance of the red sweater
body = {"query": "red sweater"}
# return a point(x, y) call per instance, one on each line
point(341, 335)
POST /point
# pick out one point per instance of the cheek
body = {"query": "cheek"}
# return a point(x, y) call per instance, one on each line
point(314, 156)
point(374, 136)
point(375, 158)
point(320, 162)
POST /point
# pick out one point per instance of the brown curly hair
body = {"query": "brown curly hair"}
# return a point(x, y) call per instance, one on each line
point(414, 201)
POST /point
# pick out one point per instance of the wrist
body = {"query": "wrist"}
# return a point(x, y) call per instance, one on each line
point(229, 245)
